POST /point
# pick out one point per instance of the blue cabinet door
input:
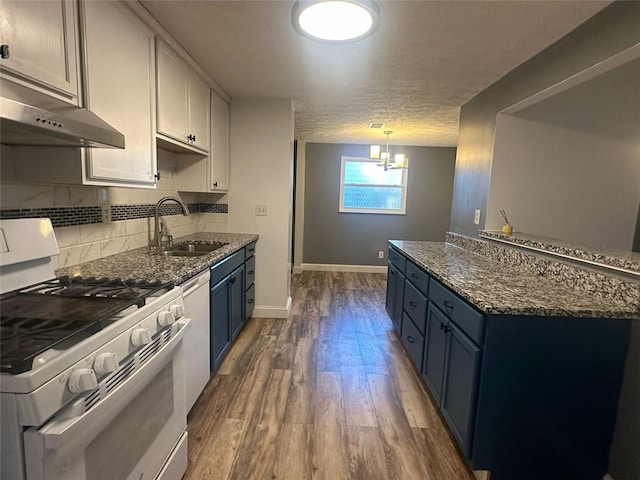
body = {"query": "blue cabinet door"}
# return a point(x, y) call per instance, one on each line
point(459, 386)
point(220, 333)
point(435, 349)
point(395, 296)
point(236, 300)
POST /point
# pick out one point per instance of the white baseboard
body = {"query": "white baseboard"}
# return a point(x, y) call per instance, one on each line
point(297, 269)
point(270, 311)
point(329, 267)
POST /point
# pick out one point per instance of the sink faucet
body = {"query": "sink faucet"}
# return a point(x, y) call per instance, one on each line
point(157, 240)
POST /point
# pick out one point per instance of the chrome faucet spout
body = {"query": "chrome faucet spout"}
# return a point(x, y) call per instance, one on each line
point(157, 240)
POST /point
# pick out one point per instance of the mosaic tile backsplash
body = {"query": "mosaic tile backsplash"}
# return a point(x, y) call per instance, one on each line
point(84, 215)
point(591, 281)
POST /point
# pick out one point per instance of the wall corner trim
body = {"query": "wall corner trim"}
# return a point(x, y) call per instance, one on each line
point(272, 311)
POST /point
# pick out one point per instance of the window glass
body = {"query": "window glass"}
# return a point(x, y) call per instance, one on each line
point(366, 187)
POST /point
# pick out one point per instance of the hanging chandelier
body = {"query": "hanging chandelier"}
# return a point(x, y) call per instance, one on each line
point(399, 160)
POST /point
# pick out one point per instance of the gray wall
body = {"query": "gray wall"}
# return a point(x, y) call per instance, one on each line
point(611, 31)
point(534, 165)
point(354, 238)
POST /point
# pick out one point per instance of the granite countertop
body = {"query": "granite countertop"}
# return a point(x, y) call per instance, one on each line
point(498, 288)
point(139, 264)
point(624, 260)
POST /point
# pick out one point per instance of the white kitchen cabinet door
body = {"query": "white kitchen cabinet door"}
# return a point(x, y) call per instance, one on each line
point(219, 152)
point(199, 112)
point(42, 38)
point(120, 71)
point(173, 94)
point(183, 102)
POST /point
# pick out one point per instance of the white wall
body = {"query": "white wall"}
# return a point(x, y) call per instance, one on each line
point(261, 172)
point(564, 183)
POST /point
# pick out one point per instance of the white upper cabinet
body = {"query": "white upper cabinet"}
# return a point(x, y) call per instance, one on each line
point(40, 48)
point(208, 173)
point(120, 71)
point(183, 101)
point(219, 154)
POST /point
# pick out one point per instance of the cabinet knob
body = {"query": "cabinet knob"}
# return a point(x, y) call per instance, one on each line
point(4, 51)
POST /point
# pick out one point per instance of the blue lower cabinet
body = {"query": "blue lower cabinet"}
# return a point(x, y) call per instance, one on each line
point(231, 301)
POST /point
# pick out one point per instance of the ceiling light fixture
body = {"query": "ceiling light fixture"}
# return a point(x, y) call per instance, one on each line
point(399, 160)
point(335, 21)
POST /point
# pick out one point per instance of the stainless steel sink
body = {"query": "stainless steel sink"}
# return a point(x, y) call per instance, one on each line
point(192, 249)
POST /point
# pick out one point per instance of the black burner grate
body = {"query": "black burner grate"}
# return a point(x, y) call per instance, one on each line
point(61, 312)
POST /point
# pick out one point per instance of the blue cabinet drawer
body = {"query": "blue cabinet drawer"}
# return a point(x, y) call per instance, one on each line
point(415, 305)
point(469, 320)
point(250, 272)
point(413, 341)
point(225, 267)
point(250, 250)
point(397, 259)
point(418, 277)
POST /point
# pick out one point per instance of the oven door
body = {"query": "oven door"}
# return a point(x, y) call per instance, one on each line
point(130, 432)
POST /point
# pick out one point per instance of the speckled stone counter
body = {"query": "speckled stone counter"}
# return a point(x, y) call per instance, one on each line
point(623, 260)
point(140, 264)
point(497, 288)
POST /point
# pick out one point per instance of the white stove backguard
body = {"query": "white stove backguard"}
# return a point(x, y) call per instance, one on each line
point(26, 248)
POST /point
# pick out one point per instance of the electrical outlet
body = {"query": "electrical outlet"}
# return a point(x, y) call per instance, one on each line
point(476, 217)
point(261, 210)
point(381, 254)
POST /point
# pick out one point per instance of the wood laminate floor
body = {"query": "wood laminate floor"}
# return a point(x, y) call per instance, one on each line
point(328, 393)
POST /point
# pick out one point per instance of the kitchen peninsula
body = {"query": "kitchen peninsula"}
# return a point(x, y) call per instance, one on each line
point(525, 369)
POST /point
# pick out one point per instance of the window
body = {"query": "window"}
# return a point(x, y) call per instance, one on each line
point(365, 187)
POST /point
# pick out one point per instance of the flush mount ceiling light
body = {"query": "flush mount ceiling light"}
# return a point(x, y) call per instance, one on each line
point(335, 21)
point(398, 161)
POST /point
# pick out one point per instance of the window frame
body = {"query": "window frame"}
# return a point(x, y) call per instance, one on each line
point(382, 211)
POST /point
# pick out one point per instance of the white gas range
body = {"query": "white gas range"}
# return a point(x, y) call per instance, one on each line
point(91, 380)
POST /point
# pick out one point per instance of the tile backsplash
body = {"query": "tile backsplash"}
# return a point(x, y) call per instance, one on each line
point(92, 222)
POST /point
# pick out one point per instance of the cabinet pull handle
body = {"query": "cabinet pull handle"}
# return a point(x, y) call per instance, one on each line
point(410, 339)
point(232, 280)
point(441, 326)
point(4, 51)
point(413, 304)
point(250, 272)
point(448, 306)
point(414, 275)
point(250, 300)
point(446, 328)
point(215, 184)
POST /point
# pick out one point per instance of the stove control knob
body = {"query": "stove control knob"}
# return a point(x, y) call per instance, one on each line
point(105, 363)
point(82, 380)
point(166, 318)
point(140, 337)
point(177, 310)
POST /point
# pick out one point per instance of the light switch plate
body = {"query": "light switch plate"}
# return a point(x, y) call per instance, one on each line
point(476, 217)
point(261, 210)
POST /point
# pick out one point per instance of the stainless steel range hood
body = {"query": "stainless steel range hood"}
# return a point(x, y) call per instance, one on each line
point(22, 124)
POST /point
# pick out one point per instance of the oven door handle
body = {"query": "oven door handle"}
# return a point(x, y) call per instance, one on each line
point(60, 432)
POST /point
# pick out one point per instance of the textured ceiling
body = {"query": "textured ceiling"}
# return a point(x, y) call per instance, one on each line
point(426, 60)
